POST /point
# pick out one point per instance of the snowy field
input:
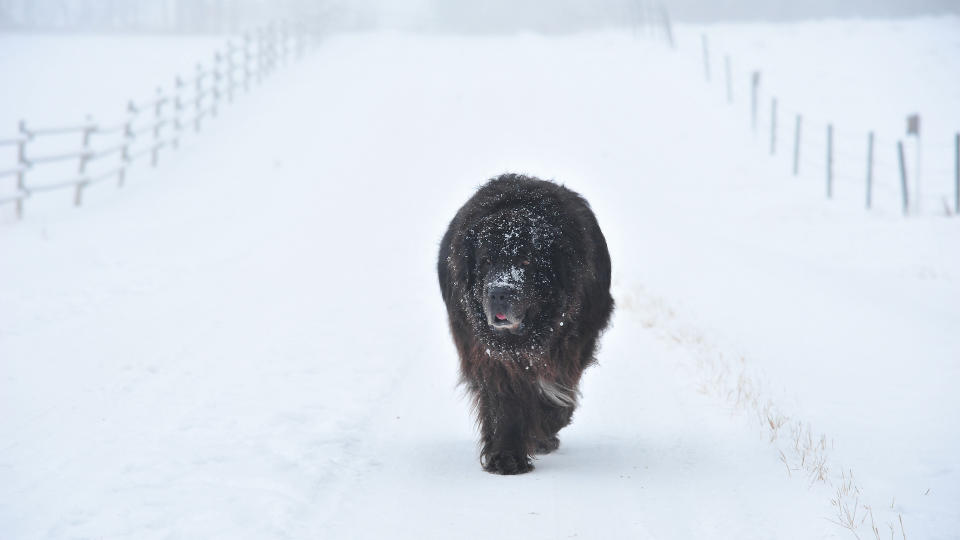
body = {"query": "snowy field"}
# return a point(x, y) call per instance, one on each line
point(249, 342)
point(54, 80)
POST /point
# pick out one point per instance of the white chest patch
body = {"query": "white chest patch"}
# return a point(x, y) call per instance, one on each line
point(557, 393)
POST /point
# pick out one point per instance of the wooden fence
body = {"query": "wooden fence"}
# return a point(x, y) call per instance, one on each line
point(101, 152)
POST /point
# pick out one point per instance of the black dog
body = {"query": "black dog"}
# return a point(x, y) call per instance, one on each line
point(525, 274)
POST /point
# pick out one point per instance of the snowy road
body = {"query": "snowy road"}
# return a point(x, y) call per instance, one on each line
point(250, 343)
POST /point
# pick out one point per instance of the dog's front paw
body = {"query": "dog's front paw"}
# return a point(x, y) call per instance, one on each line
point(508, 463)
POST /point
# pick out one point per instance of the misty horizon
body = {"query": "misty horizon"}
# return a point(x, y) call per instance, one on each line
point(457, 16)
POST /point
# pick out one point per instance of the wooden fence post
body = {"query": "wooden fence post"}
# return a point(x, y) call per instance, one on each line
point(796, 146)
point(198, 98)
point(829, 161)
point(246, 62)
point(706, 57)
point(903, 178)
point(283, 42)
point(274, 46)
point(215, 86)
point(773, 126)
point(869, 170)
point(230, 72)
point(268, 36)
point(157, 126)
point(301, 39)
point(22, 164)
point(266, 51)
point(298, 40)
point(82, 165)
point(177, 111)
point(260, 59)
point(128, 137)
point(726, 62)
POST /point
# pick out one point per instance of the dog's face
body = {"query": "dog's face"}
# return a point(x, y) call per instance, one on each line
point(512, 276)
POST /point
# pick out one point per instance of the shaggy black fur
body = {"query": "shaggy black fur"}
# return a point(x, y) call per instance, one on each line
point(525, 275)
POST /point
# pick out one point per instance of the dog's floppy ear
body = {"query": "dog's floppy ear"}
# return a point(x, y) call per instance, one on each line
point(456, 263)
point(464, 258)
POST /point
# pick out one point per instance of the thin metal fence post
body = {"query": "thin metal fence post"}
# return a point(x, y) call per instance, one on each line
point(903, 178)
point(667, 27)
point(869, 170)
point(773, 126)
point(829, 161)
point(706, 57)
point(198, 98)
point(796, 145)
point(726, 63)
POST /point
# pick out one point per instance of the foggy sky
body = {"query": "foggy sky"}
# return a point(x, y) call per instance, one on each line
point(466, 16)
point(572, 15)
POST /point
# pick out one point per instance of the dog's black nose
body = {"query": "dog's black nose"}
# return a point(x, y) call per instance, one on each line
point(501, 300)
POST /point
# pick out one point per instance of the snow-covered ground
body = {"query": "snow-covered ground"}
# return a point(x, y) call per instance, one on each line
point(249, 342)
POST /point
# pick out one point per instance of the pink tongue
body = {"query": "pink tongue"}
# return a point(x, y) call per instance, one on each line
point(500, 316)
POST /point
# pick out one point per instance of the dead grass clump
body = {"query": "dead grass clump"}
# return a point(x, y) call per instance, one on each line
point(800, 449)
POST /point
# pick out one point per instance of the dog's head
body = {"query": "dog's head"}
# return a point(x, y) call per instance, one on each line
point(513, 282)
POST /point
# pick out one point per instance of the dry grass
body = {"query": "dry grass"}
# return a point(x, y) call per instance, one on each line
point(803, 451)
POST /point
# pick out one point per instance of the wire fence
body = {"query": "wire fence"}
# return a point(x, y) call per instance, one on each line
point(918, 170)
point(77, 156)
